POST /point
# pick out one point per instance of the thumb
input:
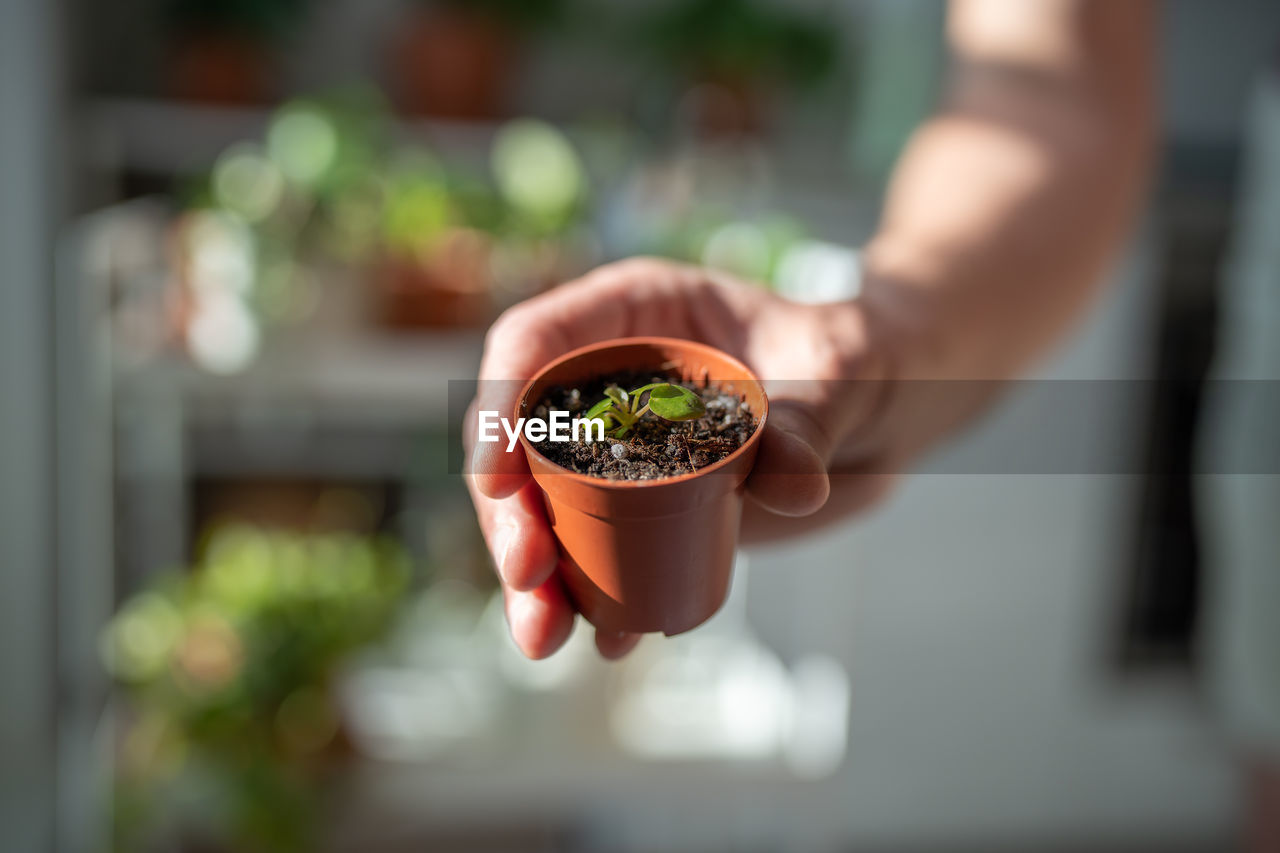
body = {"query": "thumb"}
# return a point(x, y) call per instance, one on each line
point(790, 474)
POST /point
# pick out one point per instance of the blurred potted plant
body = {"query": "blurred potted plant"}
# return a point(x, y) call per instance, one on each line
point(455, 249)
point(545, 193)
point(232, 727)
point(736, 55)
point(329, 188)
point(454, 58)
point(434, 269)
point(276, 221)
point(221, 48)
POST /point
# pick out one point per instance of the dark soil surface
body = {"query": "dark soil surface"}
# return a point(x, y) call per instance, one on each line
point(654, 448)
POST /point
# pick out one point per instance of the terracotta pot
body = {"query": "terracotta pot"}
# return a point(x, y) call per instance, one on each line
point(647, 555)
point(220, 67)
point(454, 63)
point(448, 288)
point(729, 107)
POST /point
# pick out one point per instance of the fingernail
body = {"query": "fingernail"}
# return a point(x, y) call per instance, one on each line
point(503, 538)
point(518, 608)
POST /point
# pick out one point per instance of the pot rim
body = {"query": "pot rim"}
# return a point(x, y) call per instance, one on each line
point(627, 485)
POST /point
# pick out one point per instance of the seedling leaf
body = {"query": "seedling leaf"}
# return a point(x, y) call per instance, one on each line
point(599, 409)
point(675, 403)
point(621, 410)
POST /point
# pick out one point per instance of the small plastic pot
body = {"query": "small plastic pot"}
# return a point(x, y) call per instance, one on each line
point(647, 555)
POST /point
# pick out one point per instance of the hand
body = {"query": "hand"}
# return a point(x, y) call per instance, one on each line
point(815, 420)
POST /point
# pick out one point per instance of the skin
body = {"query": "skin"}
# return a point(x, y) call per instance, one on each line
point(1004, 211)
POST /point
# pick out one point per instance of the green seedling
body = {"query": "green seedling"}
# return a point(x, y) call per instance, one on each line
point(621, 410)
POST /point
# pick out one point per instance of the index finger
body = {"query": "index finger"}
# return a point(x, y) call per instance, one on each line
point(522, 341)
point(515, 349)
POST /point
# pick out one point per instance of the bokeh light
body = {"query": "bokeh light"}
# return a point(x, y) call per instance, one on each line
point(537, 170)
point(246, 182)
point(303, 142)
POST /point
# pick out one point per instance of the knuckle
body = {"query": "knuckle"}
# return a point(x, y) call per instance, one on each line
point(637, 266)
point(512, 328)
point(827, 361)
point(642, 268)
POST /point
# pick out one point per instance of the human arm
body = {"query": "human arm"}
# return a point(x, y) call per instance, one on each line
point(1005, 208)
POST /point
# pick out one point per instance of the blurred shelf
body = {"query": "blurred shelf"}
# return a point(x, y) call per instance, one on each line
point(587, 794)
point(353, 378)
point(353, 406)
point(160, 137)
point(177, 137)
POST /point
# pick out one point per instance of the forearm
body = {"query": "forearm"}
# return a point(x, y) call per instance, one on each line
point(1002, 215)
point(1009, 203)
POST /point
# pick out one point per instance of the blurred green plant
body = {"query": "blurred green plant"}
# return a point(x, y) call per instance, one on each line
point(418, 204)
point(539, 176)
point(749, 248)
point(711, 235)
point(330, 183)
point(228, 670)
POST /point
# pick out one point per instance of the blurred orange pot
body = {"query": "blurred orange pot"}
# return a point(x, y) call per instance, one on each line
point(453, 62)
point(729, 107)
point(647, 555)
point(447, 287)
point(220, 67)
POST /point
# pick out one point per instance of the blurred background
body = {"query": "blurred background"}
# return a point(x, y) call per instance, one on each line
point(246, 246)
